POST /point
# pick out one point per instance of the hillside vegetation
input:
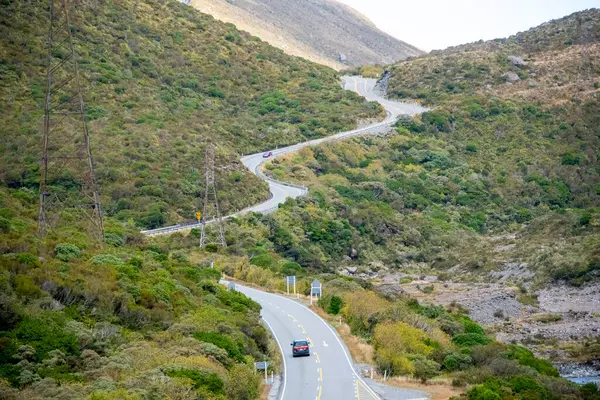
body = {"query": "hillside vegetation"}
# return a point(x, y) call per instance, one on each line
point(125, 320)
point(405, 337)
point(139, 318)
point(324, 31)
point(161, 79)
point(493, 157)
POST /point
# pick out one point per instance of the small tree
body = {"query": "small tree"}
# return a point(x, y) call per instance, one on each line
point(426, 369)
point(243, 384)
point(335, 305)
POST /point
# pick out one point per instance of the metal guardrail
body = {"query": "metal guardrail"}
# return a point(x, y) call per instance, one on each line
point(375, 128)
point(356, 132)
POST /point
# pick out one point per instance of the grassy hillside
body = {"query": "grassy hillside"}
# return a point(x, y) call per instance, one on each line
point(493, 157)
point(127, 320)
point(160, 79)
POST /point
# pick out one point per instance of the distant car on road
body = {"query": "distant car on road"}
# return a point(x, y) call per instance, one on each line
point(300, 348)
point(267, 155)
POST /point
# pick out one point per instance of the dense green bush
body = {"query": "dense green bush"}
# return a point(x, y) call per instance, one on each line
point(470, 339)
point(45, 334)
point(66, 251)
point(526, 357)
point(335, 305)
point(201, 380)
point(228, 344)
point(106, 259)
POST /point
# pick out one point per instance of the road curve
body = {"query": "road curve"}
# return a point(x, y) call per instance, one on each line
point(329, 372)
point(282, 190)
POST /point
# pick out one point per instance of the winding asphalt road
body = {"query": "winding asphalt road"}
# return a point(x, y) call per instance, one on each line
point(281, 190)
point(329, 372)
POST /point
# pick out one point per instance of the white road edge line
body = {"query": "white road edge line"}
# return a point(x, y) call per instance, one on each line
point(371, 392)
point(282, 357)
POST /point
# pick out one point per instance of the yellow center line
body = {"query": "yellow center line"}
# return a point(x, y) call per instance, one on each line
point(357, 391)
point(309, 341)
point(318, 359)
point(368, 391)
point(320, 390)
point(321, 374)
point(303, 330)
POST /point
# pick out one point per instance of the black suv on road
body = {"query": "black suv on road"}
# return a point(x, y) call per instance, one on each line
point(300, 348)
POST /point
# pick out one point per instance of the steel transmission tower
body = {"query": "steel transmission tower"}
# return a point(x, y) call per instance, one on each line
point(68, 188)
point(210, 212)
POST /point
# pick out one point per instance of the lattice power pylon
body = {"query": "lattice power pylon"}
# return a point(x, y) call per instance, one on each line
point(68, 188)
point(210, 212)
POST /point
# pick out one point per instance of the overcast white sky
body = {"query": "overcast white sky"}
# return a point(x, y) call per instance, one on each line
point(437, 24)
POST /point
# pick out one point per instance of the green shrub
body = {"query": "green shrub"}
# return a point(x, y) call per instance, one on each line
point(426, 369)
point(528, 388)
point(432, 311)
point(44, 334)
point(199, 274)
point(450, 325)
point(335, 305)
point(527, 358)
point(25, 286)
point(291, 268)
point(106, 259)
point(211, 248)
point(472, 327)
point(127, 270)
point(4, 225)
point(66, 251)
point(481, 392)
point(590, 391)
point(114, 239)
point(28, 259)
point(234, 350)
point(263, 260)
point(585, 219)
point(200, 379)
point(457, 362)
point(136, 261)
point(243, 384)
point(572, 159)
point(470, 339)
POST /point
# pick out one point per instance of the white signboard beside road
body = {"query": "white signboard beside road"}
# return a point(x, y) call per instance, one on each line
point(316, 289)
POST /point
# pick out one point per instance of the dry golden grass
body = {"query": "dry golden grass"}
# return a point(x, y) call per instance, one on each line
point(362, 352)
point(557, 77)
point(440, 389)
point(264, 391)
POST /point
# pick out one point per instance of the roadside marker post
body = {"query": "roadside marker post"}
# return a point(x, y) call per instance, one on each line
point(316, 289)
point(290, 280)
point(263, 366)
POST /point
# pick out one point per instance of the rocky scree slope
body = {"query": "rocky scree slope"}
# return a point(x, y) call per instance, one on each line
point(323, 31)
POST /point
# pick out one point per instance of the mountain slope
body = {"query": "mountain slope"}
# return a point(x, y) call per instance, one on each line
point(160, 80)
point(323, 31)
point(496, 191)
